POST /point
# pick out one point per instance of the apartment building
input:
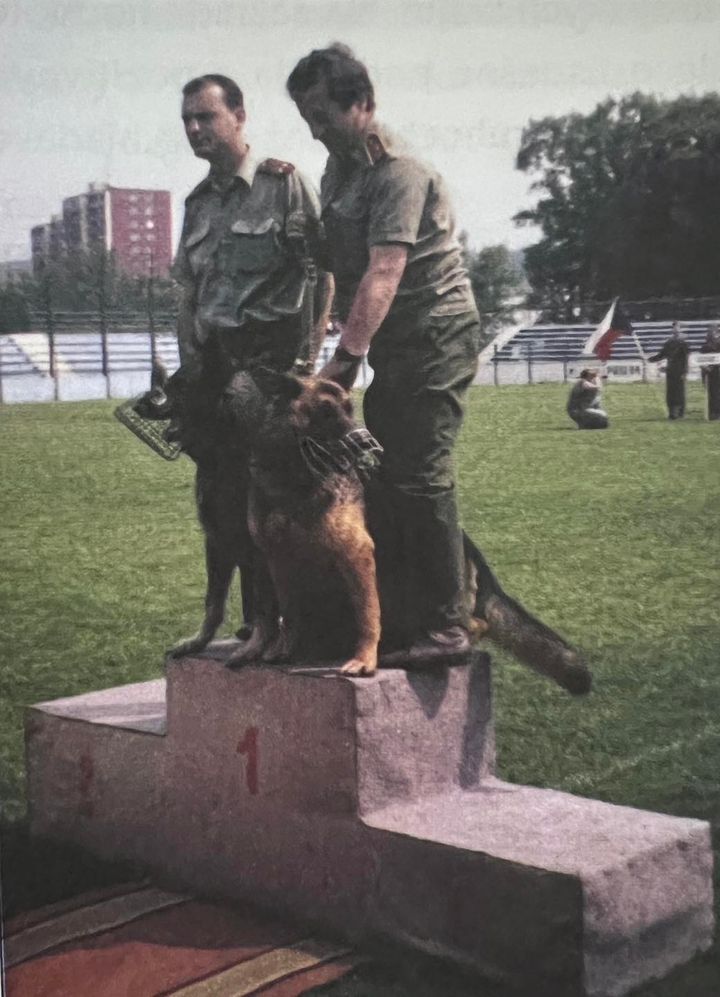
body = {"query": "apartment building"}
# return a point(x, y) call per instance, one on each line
point(132, 223)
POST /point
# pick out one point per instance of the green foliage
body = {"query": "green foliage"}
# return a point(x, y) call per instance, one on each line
point(497, 282)
point(627, 201)
point(91, 281)
point(14, 310)
point(610, 537)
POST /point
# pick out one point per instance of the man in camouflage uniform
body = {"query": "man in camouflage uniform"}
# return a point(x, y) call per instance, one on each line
point(248, 232)
point(403, 296)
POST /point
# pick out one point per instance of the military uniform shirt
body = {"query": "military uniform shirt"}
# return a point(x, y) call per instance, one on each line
point(395, 199)
point(675, 351)
point(235, 255)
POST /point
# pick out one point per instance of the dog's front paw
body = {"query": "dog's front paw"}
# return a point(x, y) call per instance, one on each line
point(277, 649)
point(477, 628)
point(356, 666)
point(250, 650)
point(190, 646)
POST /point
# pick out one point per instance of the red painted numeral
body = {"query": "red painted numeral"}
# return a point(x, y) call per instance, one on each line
point(248, 745)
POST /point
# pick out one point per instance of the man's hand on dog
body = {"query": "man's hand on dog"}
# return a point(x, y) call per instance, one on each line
point(342, 368)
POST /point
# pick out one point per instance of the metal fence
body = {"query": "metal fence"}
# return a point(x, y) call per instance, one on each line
point(115, 362)
point(35, 366)
point(77, 365)
point(503, 371)
point(499, 370)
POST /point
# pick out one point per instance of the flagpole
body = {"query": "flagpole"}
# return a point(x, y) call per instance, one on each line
point(641, 351)
point(645, 361)
point(600, 342)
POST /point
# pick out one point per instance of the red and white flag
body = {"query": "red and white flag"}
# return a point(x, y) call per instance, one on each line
point(615, 324)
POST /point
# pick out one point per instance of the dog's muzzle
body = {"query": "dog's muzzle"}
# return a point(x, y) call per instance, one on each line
point(357, 451)
point(148, 417)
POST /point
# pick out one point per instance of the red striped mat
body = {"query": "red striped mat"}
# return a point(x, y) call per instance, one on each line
point(137, 940)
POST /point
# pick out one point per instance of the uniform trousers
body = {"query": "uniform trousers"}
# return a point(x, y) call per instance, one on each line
point(675, 392)
point(712, 386)
point(255, 344)
point(422, 368)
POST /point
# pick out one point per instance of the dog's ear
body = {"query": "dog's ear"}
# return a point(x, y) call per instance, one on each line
point(282, 385)
point(242, 402)
point(158, 375)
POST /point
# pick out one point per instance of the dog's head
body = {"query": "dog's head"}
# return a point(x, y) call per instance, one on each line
point(194, 393)
point(308, 417)
point(314, 407)
point(322, 410)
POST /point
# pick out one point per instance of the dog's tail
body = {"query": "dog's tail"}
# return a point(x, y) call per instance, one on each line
point(528, 639)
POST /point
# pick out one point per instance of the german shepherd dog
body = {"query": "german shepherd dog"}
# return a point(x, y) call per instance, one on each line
point(192, 398)
point(315, 594)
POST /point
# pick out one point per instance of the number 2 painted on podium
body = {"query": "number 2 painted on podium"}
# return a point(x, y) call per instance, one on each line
point(248, 745)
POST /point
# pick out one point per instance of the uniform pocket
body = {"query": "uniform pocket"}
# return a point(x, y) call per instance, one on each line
point(196, 246)
point(197, 234)
point(251, 247)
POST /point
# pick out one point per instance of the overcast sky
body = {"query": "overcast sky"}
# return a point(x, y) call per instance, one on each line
point(89, 89)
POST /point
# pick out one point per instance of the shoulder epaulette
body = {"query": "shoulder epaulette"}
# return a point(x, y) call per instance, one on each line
point(375, 147)
point(278, 167)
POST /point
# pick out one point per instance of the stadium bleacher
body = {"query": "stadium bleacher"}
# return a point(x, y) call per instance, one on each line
point(80, 352)
point(16, 360)
point(564, 343)
point(529, 354)
point(25, 364)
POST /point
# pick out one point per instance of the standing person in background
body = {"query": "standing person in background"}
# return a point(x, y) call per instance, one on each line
point(711, 373)
point(583, 405)
point(404, 297)
point(675, 352)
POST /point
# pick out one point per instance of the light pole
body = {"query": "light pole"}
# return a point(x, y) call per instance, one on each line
point(150, 305)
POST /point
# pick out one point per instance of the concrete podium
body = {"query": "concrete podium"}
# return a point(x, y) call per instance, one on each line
point(369, 808)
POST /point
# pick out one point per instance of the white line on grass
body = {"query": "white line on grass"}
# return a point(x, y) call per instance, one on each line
point(587, 780)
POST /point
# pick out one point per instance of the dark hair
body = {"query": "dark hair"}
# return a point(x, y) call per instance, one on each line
point(588, 372)
point(231, 91)
point(346, 77)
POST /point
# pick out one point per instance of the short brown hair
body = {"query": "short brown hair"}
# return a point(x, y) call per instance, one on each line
point(346, 77)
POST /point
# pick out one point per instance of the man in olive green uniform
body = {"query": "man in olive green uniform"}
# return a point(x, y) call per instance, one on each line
point(403, 296)
point(248, 232)
point(711, 373)
point(675, 352)
point(246, 229)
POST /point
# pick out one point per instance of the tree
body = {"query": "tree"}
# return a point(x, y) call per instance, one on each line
point(497, 283)
point(628, 198)
point(91, 281)
point(14, 311)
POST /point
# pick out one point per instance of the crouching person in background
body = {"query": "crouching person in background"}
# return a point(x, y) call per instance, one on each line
point(584, 406)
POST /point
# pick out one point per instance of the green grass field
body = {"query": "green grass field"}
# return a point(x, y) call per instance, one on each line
point(613, 538)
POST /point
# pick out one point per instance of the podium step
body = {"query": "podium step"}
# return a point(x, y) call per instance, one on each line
point(369, 807)
point(644, 880)
point(139, 707)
